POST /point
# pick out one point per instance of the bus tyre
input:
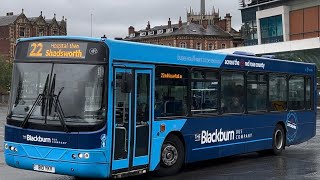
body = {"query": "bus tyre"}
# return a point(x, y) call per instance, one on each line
point(171, 157)
point(278, 140)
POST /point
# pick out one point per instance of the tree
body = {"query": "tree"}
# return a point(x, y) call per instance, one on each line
point(5, 75)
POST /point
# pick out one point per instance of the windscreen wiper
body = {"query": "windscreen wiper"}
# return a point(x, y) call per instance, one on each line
point(39, 100)
point(58, 109)
point(54, 100)
point(50, 97)
point(51, 94)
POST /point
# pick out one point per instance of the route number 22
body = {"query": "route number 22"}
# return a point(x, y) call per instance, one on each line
point(36, 50)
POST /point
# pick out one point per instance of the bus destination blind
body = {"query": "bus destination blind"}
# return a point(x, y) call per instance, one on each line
point(74, 50)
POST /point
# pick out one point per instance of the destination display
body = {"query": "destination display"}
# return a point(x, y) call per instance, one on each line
point(62, 50)
point(75, 50)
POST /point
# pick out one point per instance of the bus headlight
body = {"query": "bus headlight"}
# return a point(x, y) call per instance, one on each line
point(80, 155)
point(13, 149)
point(6, 146)
point(86, 155)
point(74, 156)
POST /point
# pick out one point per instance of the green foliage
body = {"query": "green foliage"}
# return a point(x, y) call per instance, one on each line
point(5, 75)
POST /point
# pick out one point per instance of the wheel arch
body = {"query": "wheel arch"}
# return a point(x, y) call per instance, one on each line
point(180, 136)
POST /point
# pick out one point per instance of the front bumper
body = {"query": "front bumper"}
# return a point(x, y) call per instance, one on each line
point(26, 156)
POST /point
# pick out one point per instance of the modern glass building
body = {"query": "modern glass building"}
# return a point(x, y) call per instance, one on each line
point(272, 21)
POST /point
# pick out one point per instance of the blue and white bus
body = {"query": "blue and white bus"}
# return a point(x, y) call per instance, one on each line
point(100, 108)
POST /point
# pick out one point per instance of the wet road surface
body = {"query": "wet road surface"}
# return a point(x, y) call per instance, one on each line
point(297, 162)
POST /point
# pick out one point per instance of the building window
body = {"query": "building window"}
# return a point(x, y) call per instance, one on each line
point(142, 34)
point(210, 46)
point(204, 92)
point(171, 91)
point(199, 46)
point(22, 32)
point(249, 26)
point(232, 92)
point(256, 92)
point(41, 32)
point(296, 93)
point(223, 46)
point(278, 92)
point(183, 45)
point(54, 32)
point(271, 29)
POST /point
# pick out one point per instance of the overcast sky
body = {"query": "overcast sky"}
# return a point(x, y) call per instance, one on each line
point(113, 17)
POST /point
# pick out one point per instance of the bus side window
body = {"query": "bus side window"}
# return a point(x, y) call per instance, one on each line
point(296, 93)
point(308, 93)
point(204, 92)
point(232, 92)
point(171, 91)
point(277, 92)
point(256, 92)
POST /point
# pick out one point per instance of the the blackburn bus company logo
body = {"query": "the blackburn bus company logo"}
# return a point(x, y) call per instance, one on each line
point(40, 139)
point(219, 135)
point(292, 126)
point(37, 139)
point(103, 140)
point(207, 137)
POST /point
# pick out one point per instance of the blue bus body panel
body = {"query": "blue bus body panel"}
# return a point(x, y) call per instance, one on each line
point(145, 53)
point(158, 138)
point(251, 132)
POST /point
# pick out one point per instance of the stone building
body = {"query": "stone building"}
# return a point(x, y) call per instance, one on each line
point(13, 27)
point(203, 31)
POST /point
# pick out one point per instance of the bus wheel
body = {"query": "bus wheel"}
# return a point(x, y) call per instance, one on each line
point(172, 156)
point(278, 140)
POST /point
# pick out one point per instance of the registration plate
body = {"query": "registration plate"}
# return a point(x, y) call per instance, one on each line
point(44, 168)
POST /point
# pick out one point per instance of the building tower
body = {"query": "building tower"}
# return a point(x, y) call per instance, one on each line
point(203, 7)
point(199, 17)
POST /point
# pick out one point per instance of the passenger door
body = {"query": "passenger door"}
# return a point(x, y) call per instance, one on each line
point(132, 118)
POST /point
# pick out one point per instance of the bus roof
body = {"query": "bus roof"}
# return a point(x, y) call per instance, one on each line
point(81, 38)
point(145, 53)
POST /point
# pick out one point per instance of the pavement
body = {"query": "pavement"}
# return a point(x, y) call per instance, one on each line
point(297, 162)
